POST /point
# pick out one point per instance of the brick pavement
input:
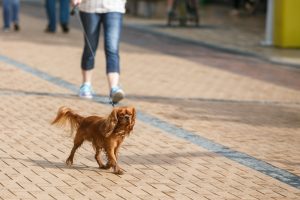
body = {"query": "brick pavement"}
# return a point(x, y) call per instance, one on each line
point(157, 165)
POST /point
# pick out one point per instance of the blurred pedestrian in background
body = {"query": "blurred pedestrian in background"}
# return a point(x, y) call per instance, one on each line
point(236, 7)
point(11, 14)
point(64, 10)
point(109, 14)
point(170, 8)
point(248, 6)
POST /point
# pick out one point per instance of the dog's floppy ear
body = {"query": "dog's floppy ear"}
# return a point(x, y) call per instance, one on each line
point(133, 116)
point(111, 122)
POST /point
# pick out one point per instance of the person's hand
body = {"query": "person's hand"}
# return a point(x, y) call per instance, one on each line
point(76, 2)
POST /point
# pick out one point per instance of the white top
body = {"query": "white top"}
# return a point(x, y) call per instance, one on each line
point(102, 6)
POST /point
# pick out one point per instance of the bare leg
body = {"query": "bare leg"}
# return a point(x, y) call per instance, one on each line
point(169, 5)
point(87, 76)
point(113, 79)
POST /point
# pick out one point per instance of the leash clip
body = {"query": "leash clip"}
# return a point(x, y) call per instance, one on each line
point(74, 10)
point(112, 103)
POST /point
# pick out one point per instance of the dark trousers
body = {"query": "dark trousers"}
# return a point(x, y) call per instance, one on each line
point(64, 10)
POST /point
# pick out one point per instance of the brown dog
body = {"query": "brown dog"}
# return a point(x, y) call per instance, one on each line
point(105, 133)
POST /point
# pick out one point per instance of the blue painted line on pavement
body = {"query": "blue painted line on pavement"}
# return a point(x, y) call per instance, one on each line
point(242, 158)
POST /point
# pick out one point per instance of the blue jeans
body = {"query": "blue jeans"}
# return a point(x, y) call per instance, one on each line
point(11, 12)
point(112, 26)
point(64, 10)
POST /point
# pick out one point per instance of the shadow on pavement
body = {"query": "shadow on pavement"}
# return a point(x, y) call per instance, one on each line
point(12, 92)
point(275, 114)
point(164, 158)
point(149, 159)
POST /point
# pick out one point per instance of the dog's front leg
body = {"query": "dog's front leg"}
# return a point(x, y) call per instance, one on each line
point(112, 161)
point(98, 158)
point(116, 150)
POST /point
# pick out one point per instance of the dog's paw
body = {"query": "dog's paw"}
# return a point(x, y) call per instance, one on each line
point(69, 162)
point(105, 167)
point(119, 172)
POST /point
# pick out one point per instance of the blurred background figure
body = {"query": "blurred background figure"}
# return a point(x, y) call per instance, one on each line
point(170, 7)
point(64, 10)
point(236, 7)
point(183, 11)
point(247, 6)
point(11, 14)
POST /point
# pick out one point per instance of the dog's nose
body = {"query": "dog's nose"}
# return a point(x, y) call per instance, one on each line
point(127, 117)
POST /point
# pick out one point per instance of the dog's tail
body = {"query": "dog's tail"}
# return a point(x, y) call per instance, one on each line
point(66, 115)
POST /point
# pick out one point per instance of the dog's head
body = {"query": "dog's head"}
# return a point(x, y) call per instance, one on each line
point(123, 117)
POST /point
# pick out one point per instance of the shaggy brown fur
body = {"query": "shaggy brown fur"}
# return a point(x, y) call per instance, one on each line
point(105, 133)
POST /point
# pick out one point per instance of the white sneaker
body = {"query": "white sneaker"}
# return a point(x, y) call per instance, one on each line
point(5, 30)
point(116, 95)
point(86, 91)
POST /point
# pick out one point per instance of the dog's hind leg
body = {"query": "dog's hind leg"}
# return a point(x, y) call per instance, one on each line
point(77, 143)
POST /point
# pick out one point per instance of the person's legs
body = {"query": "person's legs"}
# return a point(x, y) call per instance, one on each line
point(113, 79)
point(170, 5)
point(112, 23)
point(91, 23)
point(15, 13)
point(51, 14)
point(236, 4)
point(64, 10)
point(6, 13)
point(236, 7)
